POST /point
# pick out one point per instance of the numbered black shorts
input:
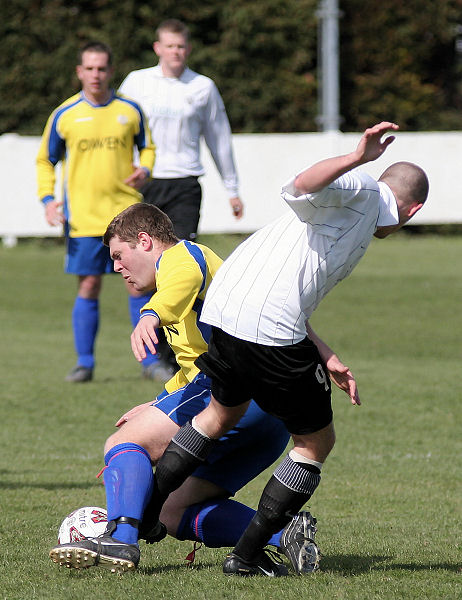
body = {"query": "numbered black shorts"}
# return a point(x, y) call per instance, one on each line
point(289, 382)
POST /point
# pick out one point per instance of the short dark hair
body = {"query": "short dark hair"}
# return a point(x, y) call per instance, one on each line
point(137, 218)
point(95, 46)
point(408, 181)
point(173, 26)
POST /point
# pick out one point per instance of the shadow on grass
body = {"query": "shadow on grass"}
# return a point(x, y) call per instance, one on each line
point(12, 485)
point(347, 566)
point(356, 564)
point(202, 566)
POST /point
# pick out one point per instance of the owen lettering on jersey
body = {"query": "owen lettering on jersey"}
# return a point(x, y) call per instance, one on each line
point(108, 143)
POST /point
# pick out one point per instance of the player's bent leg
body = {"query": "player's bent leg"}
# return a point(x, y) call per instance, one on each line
point(151, 428)
point(215, 420)
point(316, 446)
point(194, 492)
point(188, 449)
point(128, 477)
point(291, 485)
point(249, 448)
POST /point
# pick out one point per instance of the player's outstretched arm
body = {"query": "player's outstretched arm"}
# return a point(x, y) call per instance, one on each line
point(370, 147)
point(339, 373)
point(144, 334)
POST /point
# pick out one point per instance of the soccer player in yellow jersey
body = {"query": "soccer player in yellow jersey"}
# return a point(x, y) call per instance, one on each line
point(94, 134)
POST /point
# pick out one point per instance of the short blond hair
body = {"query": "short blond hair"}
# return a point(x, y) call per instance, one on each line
point(173, 26)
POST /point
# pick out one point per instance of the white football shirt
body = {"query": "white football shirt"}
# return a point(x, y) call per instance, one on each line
point(179, 112)
point(272, 282)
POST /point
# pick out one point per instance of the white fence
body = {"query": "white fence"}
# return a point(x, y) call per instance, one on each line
point(265, 162)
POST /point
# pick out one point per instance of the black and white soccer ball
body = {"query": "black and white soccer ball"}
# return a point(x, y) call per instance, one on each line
point(88, 521)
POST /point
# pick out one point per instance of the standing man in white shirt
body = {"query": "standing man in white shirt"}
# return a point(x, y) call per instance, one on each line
point(262, 346)
point(181, 107)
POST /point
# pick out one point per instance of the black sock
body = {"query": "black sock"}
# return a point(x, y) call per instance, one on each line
point(187, 450)
point(286, 492)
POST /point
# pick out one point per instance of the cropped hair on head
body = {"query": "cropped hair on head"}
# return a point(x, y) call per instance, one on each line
point(95, 46)
point(407, 179)
point(173, 26)
point(139, 218)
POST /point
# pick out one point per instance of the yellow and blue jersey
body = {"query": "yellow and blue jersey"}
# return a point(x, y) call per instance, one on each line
point(96, 146)
point(183, 275)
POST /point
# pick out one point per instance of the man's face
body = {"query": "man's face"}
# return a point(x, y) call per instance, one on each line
point(173, 50)
point(95, 74)
point(135, 264)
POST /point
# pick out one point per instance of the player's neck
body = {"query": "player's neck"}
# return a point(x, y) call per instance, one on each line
point(172, 72)
point(100, 98)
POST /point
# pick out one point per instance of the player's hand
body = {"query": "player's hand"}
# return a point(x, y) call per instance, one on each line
point(132, 413)
point(137, 178)
point(53, 213)
point(237, 207)
point(371, 146)
point(144, 335)
point(343, 378)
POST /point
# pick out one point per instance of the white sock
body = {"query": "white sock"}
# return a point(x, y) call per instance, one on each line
point(198, 429)
point(297, 457)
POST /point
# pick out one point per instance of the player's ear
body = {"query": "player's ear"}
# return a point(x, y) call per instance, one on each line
point(414, 208)
point(144, 240)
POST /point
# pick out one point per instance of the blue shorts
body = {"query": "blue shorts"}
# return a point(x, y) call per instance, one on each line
point(87, 256)
point(252, 446)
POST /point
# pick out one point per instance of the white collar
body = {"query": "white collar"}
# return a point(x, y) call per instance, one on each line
point(388, 209)
point(159, 73)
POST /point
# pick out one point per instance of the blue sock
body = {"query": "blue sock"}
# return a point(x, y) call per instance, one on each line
point(135, 304)
point(128, 480)
point(85, 321)
point(217, 523)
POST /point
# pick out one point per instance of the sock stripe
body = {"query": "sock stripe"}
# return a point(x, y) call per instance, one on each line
point(196, 525)
point(191, 441)
point(296, 478)
point(124, 452)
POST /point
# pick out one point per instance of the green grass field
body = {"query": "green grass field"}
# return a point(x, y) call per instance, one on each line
point(389, 506)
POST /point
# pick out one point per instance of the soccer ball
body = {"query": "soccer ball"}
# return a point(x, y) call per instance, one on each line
point(88, 521)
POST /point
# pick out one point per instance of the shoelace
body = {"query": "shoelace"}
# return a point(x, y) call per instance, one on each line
point(192, 555)
point(273, 555)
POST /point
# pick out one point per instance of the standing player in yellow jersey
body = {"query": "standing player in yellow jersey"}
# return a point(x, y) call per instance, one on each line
point(94, 134)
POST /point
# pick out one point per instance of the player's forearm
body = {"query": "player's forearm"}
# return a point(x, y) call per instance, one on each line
point(321, 174)
point(45, 179)
point(325, 351)
point(147, 157)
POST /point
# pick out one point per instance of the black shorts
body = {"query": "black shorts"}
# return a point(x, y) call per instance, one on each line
point(289, 382)
point(180, 199)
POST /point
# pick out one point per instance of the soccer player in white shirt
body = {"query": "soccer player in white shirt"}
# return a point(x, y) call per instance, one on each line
point(182, 106)
point(262, 346)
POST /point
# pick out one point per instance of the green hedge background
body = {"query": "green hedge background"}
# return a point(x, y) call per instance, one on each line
point(399, 60)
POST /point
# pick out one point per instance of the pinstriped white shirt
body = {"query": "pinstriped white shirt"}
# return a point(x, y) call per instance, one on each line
point(272, 282)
